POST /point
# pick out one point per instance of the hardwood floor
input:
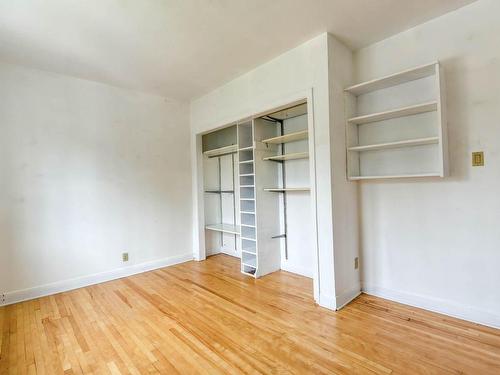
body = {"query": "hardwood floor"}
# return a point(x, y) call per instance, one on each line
point(207, 318)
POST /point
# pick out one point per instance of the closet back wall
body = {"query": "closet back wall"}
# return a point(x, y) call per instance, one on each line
point(87, 172)
point(435, 242)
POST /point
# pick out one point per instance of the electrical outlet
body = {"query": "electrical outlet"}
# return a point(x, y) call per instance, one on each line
point(478, 159)
point(125, 257)
point(356, 263)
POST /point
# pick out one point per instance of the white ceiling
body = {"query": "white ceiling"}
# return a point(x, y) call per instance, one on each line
point(184, 48)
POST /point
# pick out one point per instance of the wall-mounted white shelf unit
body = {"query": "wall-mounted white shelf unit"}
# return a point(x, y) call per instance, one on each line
point(396, 126)
point(291, 156)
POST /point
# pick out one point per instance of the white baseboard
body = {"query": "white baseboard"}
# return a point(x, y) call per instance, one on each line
point(80, 282)
point(438, 305)
point(346, 297)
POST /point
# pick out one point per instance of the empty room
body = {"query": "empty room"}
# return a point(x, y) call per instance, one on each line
point(249, 187)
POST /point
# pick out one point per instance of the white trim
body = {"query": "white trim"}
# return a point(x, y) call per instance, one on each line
point(327, 301)
point(80, 282)
point(346, 297)
point(283, 101)
point(438, 305)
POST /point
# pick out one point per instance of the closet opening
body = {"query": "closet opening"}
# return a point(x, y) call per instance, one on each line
point(258, 204)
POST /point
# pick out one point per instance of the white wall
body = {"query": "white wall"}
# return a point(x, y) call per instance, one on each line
point(436, 243)
point(88, 171)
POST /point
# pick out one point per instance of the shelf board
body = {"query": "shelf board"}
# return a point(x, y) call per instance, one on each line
point(393, 79)
point(250, 263)
point(221, 151)
point(292, 137)
point(296, 155)
point(225, 228)
point(249, 239)
point(248, 225)
point(281, 190)
point(357, 178)
point(246, 161)
point(394, 113)
point(248, 252)
point(247, 199)
point(246, 148)
point(247, 186)
point(247, 174)
point(398, 144)
point(247, 212)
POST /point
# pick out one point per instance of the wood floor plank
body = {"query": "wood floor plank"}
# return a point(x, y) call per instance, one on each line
point(208, 318)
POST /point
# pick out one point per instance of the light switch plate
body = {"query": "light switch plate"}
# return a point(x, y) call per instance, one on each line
point(478, 159)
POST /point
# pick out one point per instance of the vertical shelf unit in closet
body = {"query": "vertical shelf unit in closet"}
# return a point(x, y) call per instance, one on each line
point(215, 147)
point(258, 213)
point(277, 145)
point(396, 126)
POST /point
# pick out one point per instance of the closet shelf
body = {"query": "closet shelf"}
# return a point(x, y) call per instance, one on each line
point(248, 252)
point(250, 263)
point(248, 239)
point(220, 191)
point(248, 212)
point(246, 148)
point(247, 174)
point(357, 178)
point(398, 144)
point(393, 79)
point(247, 199)
point(296, 155)
point(394, 113)
point(246, 161)
point(282, 190)
point(224, 228)
point(232, 149)
point(247, 186)
point(292, 137)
